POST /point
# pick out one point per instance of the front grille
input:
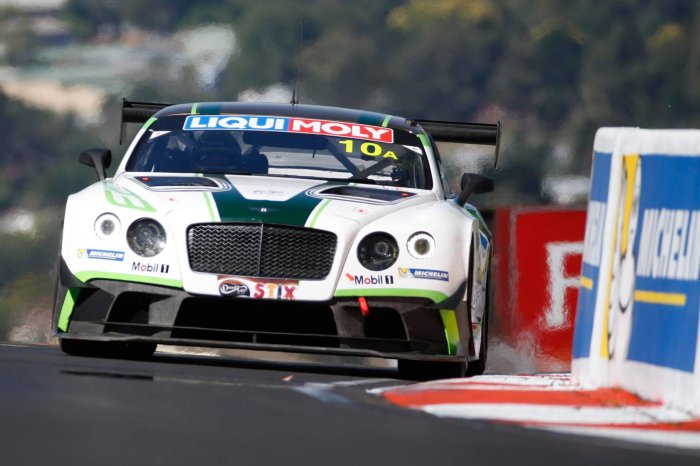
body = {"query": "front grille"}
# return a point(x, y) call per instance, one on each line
point(257, 250)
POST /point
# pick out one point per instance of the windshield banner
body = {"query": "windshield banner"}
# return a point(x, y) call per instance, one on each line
point(290, 125)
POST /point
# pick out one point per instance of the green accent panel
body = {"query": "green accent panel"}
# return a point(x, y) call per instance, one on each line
point(125, 277)
point(122, 197)
point(194, 109)
point(424, 139)
point(210, 206)
point(67, 308)
point(386, 121)
point(149, 122)
point(209, 109)
point(233, 207)
point(449, 321)
point(320, 209)
point(435, 296)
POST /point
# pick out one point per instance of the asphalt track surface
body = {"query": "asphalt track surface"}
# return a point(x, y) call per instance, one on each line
point(191, 410)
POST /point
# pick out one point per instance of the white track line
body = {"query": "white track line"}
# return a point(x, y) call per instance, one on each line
point(524, 413)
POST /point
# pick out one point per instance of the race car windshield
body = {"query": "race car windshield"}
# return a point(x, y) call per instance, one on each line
point(282, 146)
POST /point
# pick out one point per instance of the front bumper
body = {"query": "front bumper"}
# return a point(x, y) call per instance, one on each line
point(395, 327)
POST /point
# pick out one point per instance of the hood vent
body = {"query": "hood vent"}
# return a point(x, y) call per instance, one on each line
point(183, 183)
point(360, 193)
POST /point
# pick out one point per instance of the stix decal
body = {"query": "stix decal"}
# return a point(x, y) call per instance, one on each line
point(361, 280)
point(275, 290)
point(290, 125)
point(101, 254)
point(426, 274)
point(147, 267)
point(258, 289)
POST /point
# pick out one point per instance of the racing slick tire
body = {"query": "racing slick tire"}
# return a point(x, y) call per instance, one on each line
point(479, 366)
point(108, 349)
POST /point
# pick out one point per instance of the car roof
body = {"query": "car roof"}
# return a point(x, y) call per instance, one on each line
point(316, 112)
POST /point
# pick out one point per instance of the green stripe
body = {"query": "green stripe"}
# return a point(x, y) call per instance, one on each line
point(194, 109)
point(233, 207)
point(449, 321)
point(386, 121)
point(124, 277)
point(318, 211)
point(149, 122)
point(122, 197)
point(424, 139)
point(435, 296)
point(210, 206)
point(67, 308)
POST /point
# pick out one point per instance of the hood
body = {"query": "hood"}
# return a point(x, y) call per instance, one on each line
point(258, 199)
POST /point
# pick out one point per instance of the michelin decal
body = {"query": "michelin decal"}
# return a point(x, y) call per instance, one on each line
point(427, 274)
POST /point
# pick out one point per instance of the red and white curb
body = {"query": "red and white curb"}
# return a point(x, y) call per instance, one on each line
point(551, 402)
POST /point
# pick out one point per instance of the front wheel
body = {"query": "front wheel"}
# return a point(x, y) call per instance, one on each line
point(108, 349)
point(428, 370)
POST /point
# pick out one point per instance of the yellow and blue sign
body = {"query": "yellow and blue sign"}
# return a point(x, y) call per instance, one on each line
point(593, 247)
point(667, 263)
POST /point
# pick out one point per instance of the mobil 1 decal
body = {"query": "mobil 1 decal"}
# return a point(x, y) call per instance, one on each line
point(653, 289)
point(289, 125)
point(593, 246)
point(369, 279)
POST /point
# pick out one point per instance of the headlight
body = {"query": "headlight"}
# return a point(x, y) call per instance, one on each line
point(421, 245)
point(378, 251)
point(146, 237)
point(107, 226)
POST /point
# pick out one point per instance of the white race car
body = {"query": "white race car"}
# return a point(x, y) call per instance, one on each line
point(279, 227)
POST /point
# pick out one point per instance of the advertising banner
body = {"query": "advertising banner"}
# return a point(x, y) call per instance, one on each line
point(538, 256)
point(639, 306)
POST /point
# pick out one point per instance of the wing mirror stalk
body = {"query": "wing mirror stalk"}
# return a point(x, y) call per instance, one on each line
point(473, 184)
point(98, 158)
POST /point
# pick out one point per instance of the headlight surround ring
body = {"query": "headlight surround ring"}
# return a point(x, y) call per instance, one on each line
point(378, 251)
point(107, 226)
point(146, 237)
point(421, 245)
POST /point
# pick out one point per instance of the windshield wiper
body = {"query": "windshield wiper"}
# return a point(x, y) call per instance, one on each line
point(355, 179)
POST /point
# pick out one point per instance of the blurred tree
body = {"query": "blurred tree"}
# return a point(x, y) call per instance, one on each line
point(19, 38)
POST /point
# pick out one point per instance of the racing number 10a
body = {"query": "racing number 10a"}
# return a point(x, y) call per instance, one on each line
point(370, 149)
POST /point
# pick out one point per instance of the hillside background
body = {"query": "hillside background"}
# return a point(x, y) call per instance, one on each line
point(552, 72)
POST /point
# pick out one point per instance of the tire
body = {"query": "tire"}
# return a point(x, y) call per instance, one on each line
point(108, 349)
point(479, 366)
point(429, 370)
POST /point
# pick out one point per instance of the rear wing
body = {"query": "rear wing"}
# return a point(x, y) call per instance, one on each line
point(137, 112)
point(464, 133)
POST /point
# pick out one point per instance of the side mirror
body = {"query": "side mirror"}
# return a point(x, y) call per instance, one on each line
point(100, 159)
point(473, 184)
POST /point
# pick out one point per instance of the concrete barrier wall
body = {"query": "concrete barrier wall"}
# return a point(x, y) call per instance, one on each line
point(639, 303)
